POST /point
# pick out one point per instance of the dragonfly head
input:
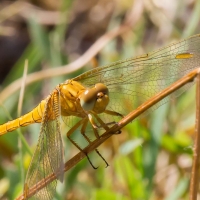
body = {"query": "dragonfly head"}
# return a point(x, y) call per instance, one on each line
point(95, 98)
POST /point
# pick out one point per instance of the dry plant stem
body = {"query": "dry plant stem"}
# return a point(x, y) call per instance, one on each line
point(26, 10)
point(67, 69)
point(81, 61)
point(11, 10)
point(194, 182)
point(23, 84)
point(19, 109)
point(117, 127)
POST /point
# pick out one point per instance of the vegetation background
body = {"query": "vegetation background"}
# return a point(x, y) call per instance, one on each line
point(152, 157)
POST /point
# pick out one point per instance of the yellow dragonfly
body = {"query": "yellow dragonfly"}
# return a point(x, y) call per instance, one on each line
point(95, 100)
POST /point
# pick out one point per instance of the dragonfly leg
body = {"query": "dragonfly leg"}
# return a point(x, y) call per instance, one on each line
point(83, 121)
point(90, 162)
point(104, 125)
point(83, 133)
point(102, 157)
point(110, 112)
point(94, 125)
point(83, 128)
point(69, 133)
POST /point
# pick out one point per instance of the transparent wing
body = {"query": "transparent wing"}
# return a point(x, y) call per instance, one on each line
point(48, 157)
point(131, 82)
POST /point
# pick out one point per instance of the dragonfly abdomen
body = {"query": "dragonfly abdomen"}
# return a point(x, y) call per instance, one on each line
point(34, 116)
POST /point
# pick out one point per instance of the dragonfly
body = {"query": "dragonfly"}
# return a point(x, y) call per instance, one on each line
point(95, 100)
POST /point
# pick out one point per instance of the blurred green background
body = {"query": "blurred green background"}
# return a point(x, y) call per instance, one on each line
point(152, 157)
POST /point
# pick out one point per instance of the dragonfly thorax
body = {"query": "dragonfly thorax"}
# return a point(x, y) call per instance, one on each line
point(95, 98)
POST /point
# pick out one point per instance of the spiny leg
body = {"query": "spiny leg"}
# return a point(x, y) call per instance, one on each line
point(94, 125)
point(84, 135)
point(105, 125)
point(102, 124)
point(102, 157)
point(110, 112)
point(83, 128)
point(100, 121)
point(113, 113)
point(83, 121)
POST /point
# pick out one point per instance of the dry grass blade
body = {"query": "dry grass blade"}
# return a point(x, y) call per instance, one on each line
point(81, 61)
point(19, 109)
point(116, 128)
point(23, 84)
point(194, 184)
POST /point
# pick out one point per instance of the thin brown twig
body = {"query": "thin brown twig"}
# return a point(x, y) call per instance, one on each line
point(116, 128)
point(11, 10)
point(82, 60)
point(194, 183)
point(26, 10)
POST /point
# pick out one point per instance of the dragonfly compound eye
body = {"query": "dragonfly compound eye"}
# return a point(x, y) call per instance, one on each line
point(95, 98)
point(102, 98)
point(101, 88)
point(87, 99)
